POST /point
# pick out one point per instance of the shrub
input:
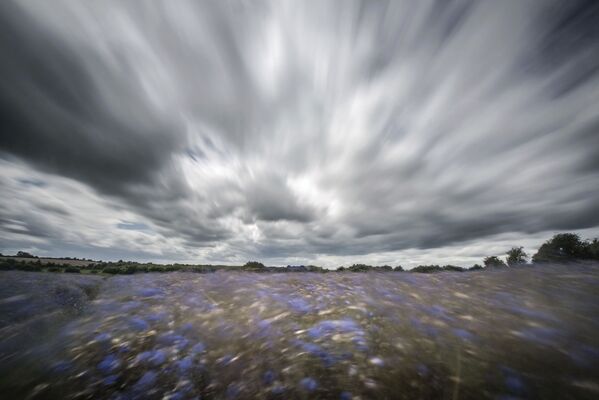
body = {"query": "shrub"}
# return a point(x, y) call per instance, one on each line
point(28, 267)
point(475, 267)
point(72, 270)
point(53, 269)
point(453, 268)
point(516, 256)
point(399, 268)
point(360, 268)
point(7, 265)
point(111, 270)
point(128, 270)
point(427, 269)
point(253, 265)
point(494, 262)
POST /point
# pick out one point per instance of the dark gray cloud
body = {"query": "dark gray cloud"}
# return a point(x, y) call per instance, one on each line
point(296, 131)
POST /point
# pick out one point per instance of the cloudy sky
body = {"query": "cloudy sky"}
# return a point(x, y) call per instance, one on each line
point(326, 132)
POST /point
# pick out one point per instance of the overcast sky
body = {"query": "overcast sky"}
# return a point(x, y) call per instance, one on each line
point(325, 132)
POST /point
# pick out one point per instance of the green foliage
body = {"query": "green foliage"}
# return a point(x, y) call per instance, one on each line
point(516, 256)
point(475, 267)
point(593, 247)
point(399, 268)
point(563, 248)
point(31, 267)
point(253, 266)
point(453, 268)
point(360, 268)
point(53, 269)
point(341, 269)
point(494, 262)
point(72, 270)
point(7, 265)
point(427, 269)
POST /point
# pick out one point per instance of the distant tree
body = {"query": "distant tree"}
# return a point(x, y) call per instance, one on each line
point(314, 268)
point(594, 249)
point(493, 262)
point(359, 268)
point(516, 256)
point(254, 266)
point(475, 267)
point(453, 268)
point(399, 268)
point(25, 254)
point(384, 268)
point(341, 269)
point(427, 269)
point(563, 248)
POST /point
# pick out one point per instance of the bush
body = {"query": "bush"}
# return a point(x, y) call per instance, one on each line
point(7, 265)
point(360, 268)
point(427, 269)
point(453, 268)
point(516, 256)
point(111, 270)
point(129, 270)
point(253, 266)
point(28, 267)
point(72, 270)
point(53, 269)
point(494, 262)
point(475, 267)
point(399, 268)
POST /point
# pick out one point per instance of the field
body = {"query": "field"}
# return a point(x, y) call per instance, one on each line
point(531, 332)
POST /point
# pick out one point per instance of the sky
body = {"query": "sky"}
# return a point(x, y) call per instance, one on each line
point(297, 132)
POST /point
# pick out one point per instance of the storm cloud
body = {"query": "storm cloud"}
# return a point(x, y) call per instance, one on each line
point(297, 131)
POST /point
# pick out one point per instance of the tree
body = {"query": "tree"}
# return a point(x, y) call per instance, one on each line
point(427, 269)
point(516, 256)
point(475, 267)
point(360, 268)
point(399, 268)
point(561, 248)
point(254, 266)
point(493, 262)
point(594, 249)
point(453, 268)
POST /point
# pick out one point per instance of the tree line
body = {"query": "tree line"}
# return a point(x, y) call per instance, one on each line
point(562, 248)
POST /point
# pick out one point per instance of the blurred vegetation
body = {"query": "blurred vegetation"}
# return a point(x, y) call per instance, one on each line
point(516, 256)
point(562, 248)
point(494, 262)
